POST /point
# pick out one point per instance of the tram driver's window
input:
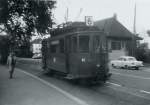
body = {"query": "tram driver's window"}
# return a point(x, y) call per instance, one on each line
point(96, 44)
point(84, 44)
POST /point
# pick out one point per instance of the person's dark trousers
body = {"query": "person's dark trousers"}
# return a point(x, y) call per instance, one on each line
point(11, 72)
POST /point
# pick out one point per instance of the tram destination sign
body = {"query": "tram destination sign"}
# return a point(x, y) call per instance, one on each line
point(89, 20)
point(55, 42)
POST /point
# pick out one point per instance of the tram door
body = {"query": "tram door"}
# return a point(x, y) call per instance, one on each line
point(100, 50)
point(71, 54)
point(67, 51)
point(97, 49)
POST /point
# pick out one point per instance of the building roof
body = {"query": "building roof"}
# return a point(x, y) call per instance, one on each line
point(114, 29)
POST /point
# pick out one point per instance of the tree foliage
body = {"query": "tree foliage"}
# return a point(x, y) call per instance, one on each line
point(22, 18)
point(3, 49)
point(142, 52)
point(148, 32)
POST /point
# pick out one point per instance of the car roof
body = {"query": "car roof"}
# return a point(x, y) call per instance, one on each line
point(126, 57)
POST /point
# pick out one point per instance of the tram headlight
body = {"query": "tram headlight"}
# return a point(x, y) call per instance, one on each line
point(83, 59)
point(98, 65)
point(54, 59)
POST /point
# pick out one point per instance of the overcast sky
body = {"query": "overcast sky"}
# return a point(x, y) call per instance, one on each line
point(101, 9)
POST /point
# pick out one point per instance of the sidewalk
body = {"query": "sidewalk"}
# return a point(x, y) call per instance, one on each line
point(26, 90)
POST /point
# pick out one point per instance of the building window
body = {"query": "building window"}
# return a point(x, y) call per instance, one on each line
point(83, 44)
point(116, 45)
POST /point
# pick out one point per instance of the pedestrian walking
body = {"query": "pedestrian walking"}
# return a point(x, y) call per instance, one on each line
point(11, 64)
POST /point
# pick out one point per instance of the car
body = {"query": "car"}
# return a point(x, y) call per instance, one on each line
point(126, 62)
point(37, 56)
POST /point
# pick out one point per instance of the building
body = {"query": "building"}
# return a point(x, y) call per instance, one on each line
point(119, 39)
point(37, 43)
point(36, 46)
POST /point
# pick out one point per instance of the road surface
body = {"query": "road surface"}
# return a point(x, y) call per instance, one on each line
point(125, 87)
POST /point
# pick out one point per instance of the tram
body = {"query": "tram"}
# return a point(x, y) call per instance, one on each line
point(78, 52)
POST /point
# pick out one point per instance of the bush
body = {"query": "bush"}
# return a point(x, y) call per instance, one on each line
point(4, 49)
point(143, 53)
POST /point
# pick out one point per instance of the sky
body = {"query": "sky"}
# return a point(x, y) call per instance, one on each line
point(101, 9)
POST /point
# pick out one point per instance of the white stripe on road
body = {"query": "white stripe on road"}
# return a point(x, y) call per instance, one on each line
point(79, 101)
point(133, 76)
point(113, 84)
point(132, 93)
point(146, 70)
point(143, 91)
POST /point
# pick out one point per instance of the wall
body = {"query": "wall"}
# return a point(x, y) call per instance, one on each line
point(114, 54)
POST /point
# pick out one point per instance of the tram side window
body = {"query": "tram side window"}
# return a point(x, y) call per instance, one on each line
point(84, 44)
point(54, 46)
point(96, 44)
point(74, 44)
point(61, 44)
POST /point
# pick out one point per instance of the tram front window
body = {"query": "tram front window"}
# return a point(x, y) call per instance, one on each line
point(83, 44)
point(96, 44)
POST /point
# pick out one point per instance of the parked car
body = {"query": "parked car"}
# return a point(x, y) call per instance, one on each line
point(126, 62)
point(37, 56)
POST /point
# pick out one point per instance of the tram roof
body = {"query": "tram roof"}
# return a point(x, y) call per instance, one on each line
point(73, 27)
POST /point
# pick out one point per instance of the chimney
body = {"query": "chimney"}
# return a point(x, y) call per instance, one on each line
point(115, 16)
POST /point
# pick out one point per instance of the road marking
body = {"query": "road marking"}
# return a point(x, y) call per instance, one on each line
point(130, 75)
point(143, 91)
point(146, 70)
point(79, 101)
point(113, 84)
point(129, 91)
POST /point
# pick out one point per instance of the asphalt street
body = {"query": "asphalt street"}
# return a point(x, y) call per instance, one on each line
point(125, 87)
point(136, 79)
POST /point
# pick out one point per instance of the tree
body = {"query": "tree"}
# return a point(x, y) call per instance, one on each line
point(23, 18)
point(141, 52)
point(3, 49)
point(148, 32)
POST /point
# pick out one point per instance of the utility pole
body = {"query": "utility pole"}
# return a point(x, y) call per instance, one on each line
point(134, 43)
point(134, 25)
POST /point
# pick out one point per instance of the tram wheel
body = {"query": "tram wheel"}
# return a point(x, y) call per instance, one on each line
point(126, 67)
point(75, 81)
point(51, 72)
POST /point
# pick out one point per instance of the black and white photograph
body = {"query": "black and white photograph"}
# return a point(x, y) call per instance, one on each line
point(74, 52)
